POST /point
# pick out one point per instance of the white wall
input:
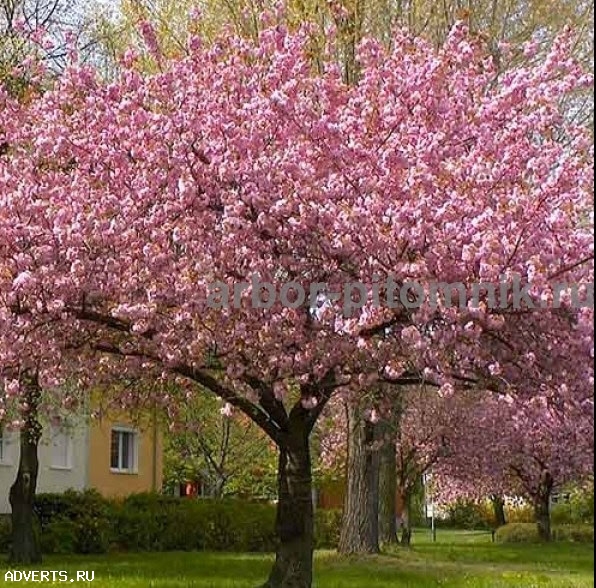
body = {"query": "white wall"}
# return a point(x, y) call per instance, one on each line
point(8, 468)
point(51, 479)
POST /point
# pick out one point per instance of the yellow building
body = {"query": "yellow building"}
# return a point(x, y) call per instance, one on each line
point(125, 458)
point(115, 454)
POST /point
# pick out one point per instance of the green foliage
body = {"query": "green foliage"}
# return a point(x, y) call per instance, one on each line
point(518, 533)
point(579, 509)
point(467, 515)
point(522, 513)
point(158, 523)
point(88, 523)
point(327, 528)
point(418, 508)
point(59, 537)
point(75, 522)
point(579, 533)
point(230, 456)
point(528, 533)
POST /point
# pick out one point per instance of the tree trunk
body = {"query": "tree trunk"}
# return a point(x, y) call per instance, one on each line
point(542, 514)
point(542, 507)
point(219, 487)
point(360, 525)
point(387, 487)
point(293, 566)
point(499, 510)
point(25, 547)
point(405, 516)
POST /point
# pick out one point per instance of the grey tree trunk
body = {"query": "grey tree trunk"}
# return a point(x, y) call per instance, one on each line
point(293, 566)
point(25, 547)
point(387, 486)
point(360, 525)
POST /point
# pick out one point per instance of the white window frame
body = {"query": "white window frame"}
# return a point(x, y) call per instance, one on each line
point(68, 449)
point(6, 438)
point(135, 450)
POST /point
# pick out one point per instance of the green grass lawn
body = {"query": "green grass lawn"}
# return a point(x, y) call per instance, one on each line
point(457, 560)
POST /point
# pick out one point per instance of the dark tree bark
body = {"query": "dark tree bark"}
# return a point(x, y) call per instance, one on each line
point(25, 547)
point(295, 511)
point(542, 507)
point(499, 510)
point(387, 486)
point(360, 525)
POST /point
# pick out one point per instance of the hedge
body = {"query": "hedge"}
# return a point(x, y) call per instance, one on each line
point(470, 515)
point(528, 533)
point(85, 522)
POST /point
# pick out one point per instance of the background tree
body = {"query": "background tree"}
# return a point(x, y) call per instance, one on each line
point(388, 432)
point(529, 448)
point(360, 524)
point(34, 41)
point(222, 450)
point(25, 545)
point(506, 25)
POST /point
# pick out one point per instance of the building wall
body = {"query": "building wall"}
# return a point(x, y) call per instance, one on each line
point(149, 472)
point(89, 460)
point(51, 479)
point(331, 496)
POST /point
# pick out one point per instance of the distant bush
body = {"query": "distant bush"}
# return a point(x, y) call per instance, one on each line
point(520, 513)
point(579, 533)
point(327, 528)
point(466, 515)
point(528, 533)
point(579, 509)
point(517, 533)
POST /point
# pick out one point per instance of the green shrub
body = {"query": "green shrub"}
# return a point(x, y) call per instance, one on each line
point(93, 534)
point(467, 515)
point(51, 507)
point(579, 509)
point(75, 522)
point(579, 533)
point(85, 522)
point(327, 528)
point(517, 533)
point(252, 526)
point(521, 513)
point(528, 533)
point(59, 537)
point(147, 522)
point(156, 523)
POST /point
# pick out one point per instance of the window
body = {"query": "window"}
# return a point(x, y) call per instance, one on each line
point(61, 449)
point(123, 451)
